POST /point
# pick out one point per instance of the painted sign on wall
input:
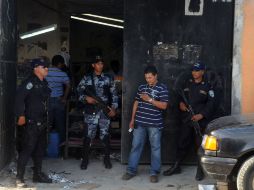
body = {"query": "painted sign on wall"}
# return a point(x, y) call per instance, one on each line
point(194, 7)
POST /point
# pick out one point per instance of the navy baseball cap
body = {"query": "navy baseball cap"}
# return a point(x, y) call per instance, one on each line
point(198, 66)
point(97, 59)
point(38, 62)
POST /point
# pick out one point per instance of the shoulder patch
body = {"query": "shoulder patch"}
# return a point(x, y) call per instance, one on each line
point(211, 93)
point(29, 86)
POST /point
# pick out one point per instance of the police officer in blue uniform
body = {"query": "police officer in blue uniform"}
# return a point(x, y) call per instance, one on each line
point(95, 90)
point(199, 94)
point(31, 111)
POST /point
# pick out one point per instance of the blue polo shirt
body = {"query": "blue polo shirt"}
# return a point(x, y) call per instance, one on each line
point(147, 115)
point(56, 80)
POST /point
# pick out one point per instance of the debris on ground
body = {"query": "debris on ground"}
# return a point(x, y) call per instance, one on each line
point(206, 187)
point(60, 177)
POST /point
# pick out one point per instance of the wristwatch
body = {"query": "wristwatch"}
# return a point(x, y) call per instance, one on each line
point(150, 100)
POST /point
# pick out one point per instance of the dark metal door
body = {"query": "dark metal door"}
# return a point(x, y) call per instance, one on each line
point(172, 35)
point(7, 79)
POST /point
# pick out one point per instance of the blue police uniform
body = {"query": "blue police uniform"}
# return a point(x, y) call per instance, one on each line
point(202, 98)
point(31, 101)
point(103, 87)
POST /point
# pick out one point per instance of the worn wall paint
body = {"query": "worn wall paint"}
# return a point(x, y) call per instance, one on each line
point(162, 28)
point(194, 8)
point(7, 79)
point(248, 57)
point(237, 60)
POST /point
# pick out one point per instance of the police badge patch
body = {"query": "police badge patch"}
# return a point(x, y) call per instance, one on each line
point(211, 93)
point(29, 86)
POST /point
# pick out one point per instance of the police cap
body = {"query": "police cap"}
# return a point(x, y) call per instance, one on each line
point(38, 62)
point(198, 66)
point(97, 59)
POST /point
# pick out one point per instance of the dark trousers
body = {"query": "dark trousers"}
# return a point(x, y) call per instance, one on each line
point(33, 145)
point(19, 137)
point(187, 138)
point(57, 116)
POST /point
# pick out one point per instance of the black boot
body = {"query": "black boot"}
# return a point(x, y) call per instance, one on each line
point(85, 153)
point(106, 160)
point(200, 173)
point(20, 183)
point(40, 177)
point(175, 169)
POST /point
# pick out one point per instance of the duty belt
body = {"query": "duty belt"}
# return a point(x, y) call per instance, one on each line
point(35, 122)
point(40, 125)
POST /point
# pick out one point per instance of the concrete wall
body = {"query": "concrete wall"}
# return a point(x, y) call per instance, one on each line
point(248, 58)
point(243, 58)
point(237, 64)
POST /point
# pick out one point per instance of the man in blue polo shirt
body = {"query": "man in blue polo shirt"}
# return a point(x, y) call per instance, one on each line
point(150, 101)
point(59, 84)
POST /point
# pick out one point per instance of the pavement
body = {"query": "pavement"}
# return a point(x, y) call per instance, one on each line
point(67, 175)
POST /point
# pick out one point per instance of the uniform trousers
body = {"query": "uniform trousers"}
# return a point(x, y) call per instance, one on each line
point(98, 119)
point(187, 138)
point(34, 145)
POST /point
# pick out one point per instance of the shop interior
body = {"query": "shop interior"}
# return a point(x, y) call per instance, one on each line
point(78, 30)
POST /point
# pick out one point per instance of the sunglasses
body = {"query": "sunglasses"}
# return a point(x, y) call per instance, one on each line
point(43, 66)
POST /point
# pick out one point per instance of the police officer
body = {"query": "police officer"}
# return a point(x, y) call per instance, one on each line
point(93, 86)
point(199, 94)
point(31, 111)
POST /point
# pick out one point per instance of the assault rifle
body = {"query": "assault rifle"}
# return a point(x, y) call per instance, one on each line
point(191, 112)
point(100, 105)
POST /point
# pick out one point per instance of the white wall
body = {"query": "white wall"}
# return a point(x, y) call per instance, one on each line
point(46, 44)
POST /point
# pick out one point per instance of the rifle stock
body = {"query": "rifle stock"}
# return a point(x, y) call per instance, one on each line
point(191, 112)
